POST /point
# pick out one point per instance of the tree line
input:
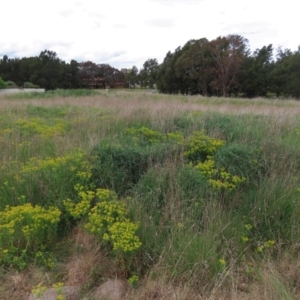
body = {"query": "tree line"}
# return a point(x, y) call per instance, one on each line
point(224, 66)
point(50, 72)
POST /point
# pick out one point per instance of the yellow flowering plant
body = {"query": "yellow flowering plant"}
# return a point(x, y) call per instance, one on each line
point(107, 217)
point(109, 220)
point(41, 127)
point(200, 151)
point(144, 135)
point(199, 146)
point(24, 228)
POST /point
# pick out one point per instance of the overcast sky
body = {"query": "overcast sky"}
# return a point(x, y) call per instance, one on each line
point(126, 33)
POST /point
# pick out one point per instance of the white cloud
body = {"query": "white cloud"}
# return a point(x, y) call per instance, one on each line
point(161, 22)
point(126, 33)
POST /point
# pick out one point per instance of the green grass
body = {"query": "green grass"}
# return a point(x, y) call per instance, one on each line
point(53, 94)
point(192, 233)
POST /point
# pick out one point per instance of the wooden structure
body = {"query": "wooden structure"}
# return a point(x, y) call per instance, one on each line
point(95, 83)
point(100, 83)
point(117, 84)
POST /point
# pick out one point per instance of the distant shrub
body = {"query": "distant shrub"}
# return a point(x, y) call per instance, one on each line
point(29, 85)
point(3, 84)
point(11, 84)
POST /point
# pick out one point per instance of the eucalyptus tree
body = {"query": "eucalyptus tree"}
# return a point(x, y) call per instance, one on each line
point(148, 74)
point(227, 54)
point(194, 66)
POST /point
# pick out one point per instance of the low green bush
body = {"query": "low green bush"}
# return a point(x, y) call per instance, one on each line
point(11, 84)
point(120, 166)
point(3, 84)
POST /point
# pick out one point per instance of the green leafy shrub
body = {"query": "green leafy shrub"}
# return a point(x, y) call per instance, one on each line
point(11, 84)
point(242, 160)
point(144, 135)
point(29, 85)
point(3, 84)
point(39, 178)
point(120, 166)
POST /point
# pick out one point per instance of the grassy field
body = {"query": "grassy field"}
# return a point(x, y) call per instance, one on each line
point(182, 197)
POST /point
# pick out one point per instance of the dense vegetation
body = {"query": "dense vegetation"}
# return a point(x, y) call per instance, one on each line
point(221, 67)
point(152, 189)
point(3, 84)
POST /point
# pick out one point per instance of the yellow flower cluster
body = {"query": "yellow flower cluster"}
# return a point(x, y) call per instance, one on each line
point(104, 215)
point(45, 259)
point(218, 178)
point(5, 131)
point(83, 207)
point(108, 219)
point(144, 134)
point(84, 175)
point(39, 290)
point(248, 226)
point(175, 136)
point(122, 235)
point(133, 280)
point(39, 126)
point(199, 146)
point(222, 262)
point(27, 226)
point(200, 151)
point(106, 195)
point(59, 290)
point(266, 245)
point(207, 168)
point(35, 165)
point(77, 210)
point(245, 239)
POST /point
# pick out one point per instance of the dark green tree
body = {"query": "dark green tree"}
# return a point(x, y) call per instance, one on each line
point(280, 75)
point(148, 74)
point(256, 73)
point(194, 66)
point(29, 70)
point(9, 69)
point(168, 80)
point(70, 75)
point(49, 71)
point(133, 77)
point(292, 88)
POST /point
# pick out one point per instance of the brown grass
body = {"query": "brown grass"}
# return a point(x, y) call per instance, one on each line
point(126, 102)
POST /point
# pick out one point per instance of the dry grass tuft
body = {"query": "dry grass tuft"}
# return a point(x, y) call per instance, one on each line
point(88, 265)
point(161, 289)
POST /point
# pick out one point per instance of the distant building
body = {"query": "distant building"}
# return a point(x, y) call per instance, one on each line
point(117, 84)
point(100, 83)
point(95, 83)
